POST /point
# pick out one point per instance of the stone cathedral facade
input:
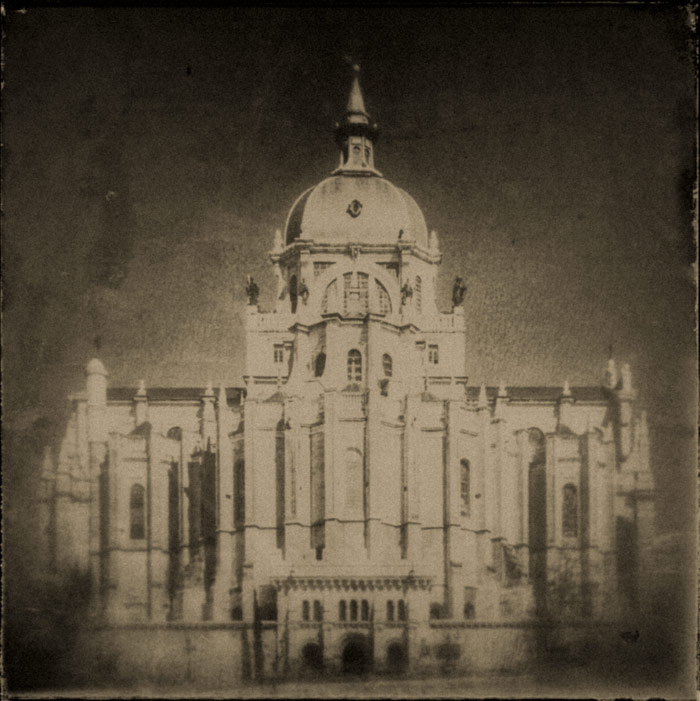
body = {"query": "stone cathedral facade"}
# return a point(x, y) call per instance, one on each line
point(357, 505)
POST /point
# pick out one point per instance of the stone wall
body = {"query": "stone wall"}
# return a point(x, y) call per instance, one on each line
point(217, 655)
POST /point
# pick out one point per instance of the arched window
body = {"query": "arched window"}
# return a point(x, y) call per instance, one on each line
point(356, 294)
point(418, 292)
point(365, 610)
point(239, 493)
point(388, 365)
point(389, 610)
point(464, 477)
point(137, 512)
point(293, 294)
point(305, 610)
point(469, 602)
point(173, 528)
point(353, 610)
point(403, 610)
point(280, 483)
point(342, 611)
point(570, 511)
point(536, 446)
point(382, 298)
point(626, 566)
point(330, 293)
point(318, 611)
point(354, 366)
point(537, 516)
point(319, 365)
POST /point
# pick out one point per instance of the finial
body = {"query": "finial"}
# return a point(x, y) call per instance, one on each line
point(611, 374)
point(278, 242)
point(626, 377)
point(483, 399)
point(501, 401)
point(567, 390)
point(209, 391)
point(141, 392)
point(222, 396)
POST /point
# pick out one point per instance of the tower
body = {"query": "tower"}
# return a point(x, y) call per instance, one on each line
point(342, 378)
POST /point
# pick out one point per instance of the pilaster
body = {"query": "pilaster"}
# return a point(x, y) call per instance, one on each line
point(225, 556)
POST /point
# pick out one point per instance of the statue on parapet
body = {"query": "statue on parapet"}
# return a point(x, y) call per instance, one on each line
point(252, 290)
point(406, 292)
point(459, 289)
point(303, 291)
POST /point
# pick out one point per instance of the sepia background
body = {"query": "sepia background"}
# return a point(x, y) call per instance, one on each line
point(150, 154)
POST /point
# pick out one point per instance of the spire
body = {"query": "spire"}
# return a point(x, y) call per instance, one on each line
point(626, 378)
point(501, 401)
point(141, 404)
point(356, 135)
point(356, 103)
point(611, 374)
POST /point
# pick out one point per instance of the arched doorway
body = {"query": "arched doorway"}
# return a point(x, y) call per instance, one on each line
point(312, 655)
point(357, 656)
point(396, 658)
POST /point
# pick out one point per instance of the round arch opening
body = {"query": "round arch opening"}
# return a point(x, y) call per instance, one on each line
point(396, 658)
point(312, 655)
point(357, 656)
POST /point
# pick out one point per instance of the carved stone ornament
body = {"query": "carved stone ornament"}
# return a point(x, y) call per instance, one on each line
point(354, 208)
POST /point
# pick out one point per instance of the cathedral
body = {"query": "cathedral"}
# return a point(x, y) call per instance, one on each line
point(357, 505)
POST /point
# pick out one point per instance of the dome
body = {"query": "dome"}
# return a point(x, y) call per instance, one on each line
point(356, 209)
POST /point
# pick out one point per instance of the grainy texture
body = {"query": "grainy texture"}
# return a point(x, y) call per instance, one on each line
point(149, 154)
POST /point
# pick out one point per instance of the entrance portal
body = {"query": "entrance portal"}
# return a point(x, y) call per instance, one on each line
point(357, 656)
point(396, 659)
point(313, 657)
